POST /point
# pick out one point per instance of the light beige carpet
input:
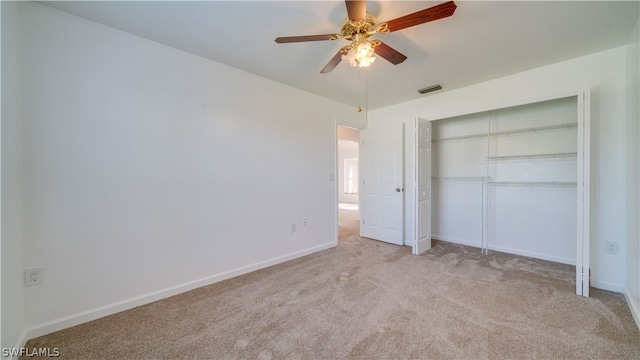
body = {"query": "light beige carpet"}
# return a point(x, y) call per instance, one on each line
point(370, 300)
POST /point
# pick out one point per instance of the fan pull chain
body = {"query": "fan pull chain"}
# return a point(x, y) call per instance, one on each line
point(359, 92)
point(366, 90)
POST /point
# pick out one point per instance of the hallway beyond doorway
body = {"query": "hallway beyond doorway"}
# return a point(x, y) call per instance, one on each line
point(348, 220)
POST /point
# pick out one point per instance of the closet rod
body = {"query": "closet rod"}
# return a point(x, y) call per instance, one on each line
point(533, 156)
point(533, 183)
point(511, 132)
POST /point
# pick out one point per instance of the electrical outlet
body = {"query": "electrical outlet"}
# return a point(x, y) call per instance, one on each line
point(611, 247)
point(33, 276)
point(293, 227)
point(304, 222)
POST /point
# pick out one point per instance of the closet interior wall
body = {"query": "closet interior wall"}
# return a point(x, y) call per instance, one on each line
point(505, 180)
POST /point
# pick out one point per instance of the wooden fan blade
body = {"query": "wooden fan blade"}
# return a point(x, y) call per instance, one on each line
point(420, 17)
point(335, 60)
point(388, 53)
point(290, 39)
point(356, 10)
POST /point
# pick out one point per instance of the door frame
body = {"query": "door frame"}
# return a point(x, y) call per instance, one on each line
point(583, 244)
point(335, 175)
point(583, 191)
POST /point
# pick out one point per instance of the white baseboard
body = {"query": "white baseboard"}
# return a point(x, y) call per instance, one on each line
point(605, 285)
point(86, 316)
point(557, 259)
point(456, 241)
point(508, 250)
point(633, 306)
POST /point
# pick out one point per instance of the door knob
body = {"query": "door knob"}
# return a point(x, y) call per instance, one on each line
point(397, 189)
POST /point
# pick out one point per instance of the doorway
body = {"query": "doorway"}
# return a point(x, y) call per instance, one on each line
point(348, 169)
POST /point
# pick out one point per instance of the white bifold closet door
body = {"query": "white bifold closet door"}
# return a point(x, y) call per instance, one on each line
point(506, 180)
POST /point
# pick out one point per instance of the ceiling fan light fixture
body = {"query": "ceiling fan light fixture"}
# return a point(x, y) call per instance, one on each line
point(360, 54)
point(359, 25)
point(364, 49)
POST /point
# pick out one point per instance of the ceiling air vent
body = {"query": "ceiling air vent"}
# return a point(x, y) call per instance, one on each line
point(430, 89)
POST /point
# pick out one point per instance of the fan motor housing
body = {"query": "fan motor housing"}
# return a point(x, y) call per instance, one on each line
point(352, 30)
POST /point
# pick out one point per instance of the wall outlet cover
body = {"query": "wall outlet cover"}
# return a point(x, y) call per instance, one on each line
point(33, 276)
point(611, 247)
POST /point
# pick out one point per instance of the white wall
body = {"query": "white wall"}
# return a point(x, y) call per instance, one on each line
point(149, 171)
point(605, 73)
point(12, 314)
point(632, 284)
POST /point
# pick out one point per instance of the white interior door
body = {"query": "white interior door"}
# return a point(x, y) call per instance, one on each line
point(382, 183)
point(423, 186)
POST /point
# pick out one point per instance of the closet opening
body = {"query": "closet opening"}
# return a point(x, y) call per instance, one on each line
point(513, 180)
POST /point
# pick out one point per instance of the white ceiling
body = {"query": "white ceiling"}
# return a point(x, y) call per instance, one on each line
point(483, 40)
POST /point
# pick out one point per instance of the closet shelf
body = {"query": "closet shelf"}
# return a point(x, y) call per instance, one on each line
point(533, 183)
point(510, 132)
point(534, 156)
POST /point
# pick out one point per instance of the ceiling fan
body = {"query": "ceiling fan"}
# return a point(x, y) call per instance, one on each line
point(360, 25)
